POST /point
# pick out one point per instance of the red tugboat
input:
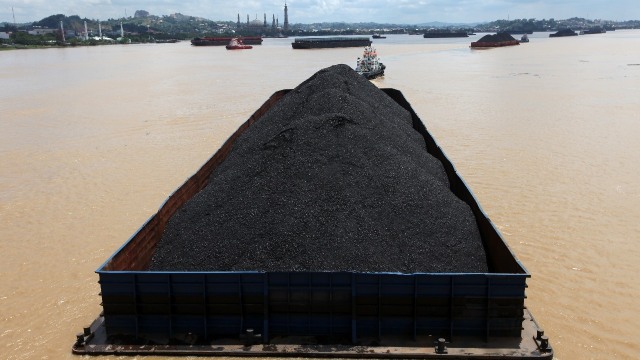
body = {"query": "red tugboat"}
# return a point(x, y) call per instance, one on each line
point(237, 44)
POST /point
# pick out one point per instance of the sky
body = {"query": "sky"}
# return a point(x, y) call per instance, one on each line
point(312, 11)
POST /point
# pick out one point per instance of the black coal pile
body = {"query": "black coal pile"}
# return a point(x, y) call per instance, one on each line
point(564, 32)
point(496, 38)
point(332, 178)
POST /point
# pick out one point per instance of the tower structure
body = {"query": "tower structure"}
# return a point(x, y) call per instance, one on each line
point(286, 18)
point(265, 19)
point(62, 31)
point(238, 24)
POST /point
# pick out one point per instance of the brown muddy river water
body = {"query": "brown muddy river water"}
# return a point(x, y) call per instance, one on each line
point(546, 134)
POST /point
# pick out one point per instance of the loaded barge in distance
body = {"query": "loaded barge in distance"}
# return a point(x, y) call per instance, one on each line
point(498, 40)
point(563, 33)
point(593, 30)
point(445, 34)
point(343, 314)
point(330, 42)
point(223, 41)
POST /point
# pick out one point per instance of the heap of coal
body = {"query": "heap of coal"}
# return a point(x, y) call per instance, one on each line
point(564, 32)
point(332, 178)
point(496, 38)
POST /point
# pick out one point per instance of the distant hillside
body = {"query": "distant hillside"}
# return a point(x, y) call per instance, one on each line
point(70, 22)
point(438, 24)
point(146, 25)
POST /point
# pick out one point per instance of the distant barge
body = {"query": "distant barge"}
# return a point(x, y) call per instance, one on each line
point(564, 32)
point(593, 30)
point(330, 42)
point(497, 40)
point(223, 41)
point(445, 34)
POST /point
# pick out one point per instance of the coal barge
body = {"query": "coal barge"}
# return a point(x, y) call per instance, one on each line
point(306, 313)
point(223, 41)
point(330, 42)
point(593, 30)
point(563, 33)
point(497, 40)
point(445, 34)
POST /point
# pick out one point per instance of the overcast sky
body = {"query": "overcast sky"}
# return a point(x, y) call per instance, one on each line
point(310, 11)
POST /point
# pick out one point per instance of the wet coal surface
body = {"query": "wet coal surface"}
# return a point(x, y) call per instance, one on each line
point(332, 178)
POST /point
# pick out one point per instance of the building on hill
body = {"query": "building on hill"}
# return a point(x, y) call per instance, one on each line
point(261, 27)
point(41, 31)
point(141, 14)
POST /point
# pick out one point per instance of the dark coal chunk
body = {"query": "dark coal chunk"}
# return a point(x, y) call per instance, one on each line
point(332, 178)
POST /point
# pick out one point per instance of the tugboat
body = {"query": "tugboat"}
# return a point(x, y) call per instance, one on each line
point(378, 36)
point(369, 65)
point(524, 39)
point(237, 44)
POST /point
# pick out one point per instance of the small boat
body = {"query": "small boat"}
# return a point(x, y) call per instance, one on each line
point(378, 36)
point(369, 65)
point(237, 44)
point(524, 39)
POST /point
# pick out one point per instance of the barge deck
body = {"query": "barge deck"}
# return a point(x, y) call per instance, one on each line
point(532, 345)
